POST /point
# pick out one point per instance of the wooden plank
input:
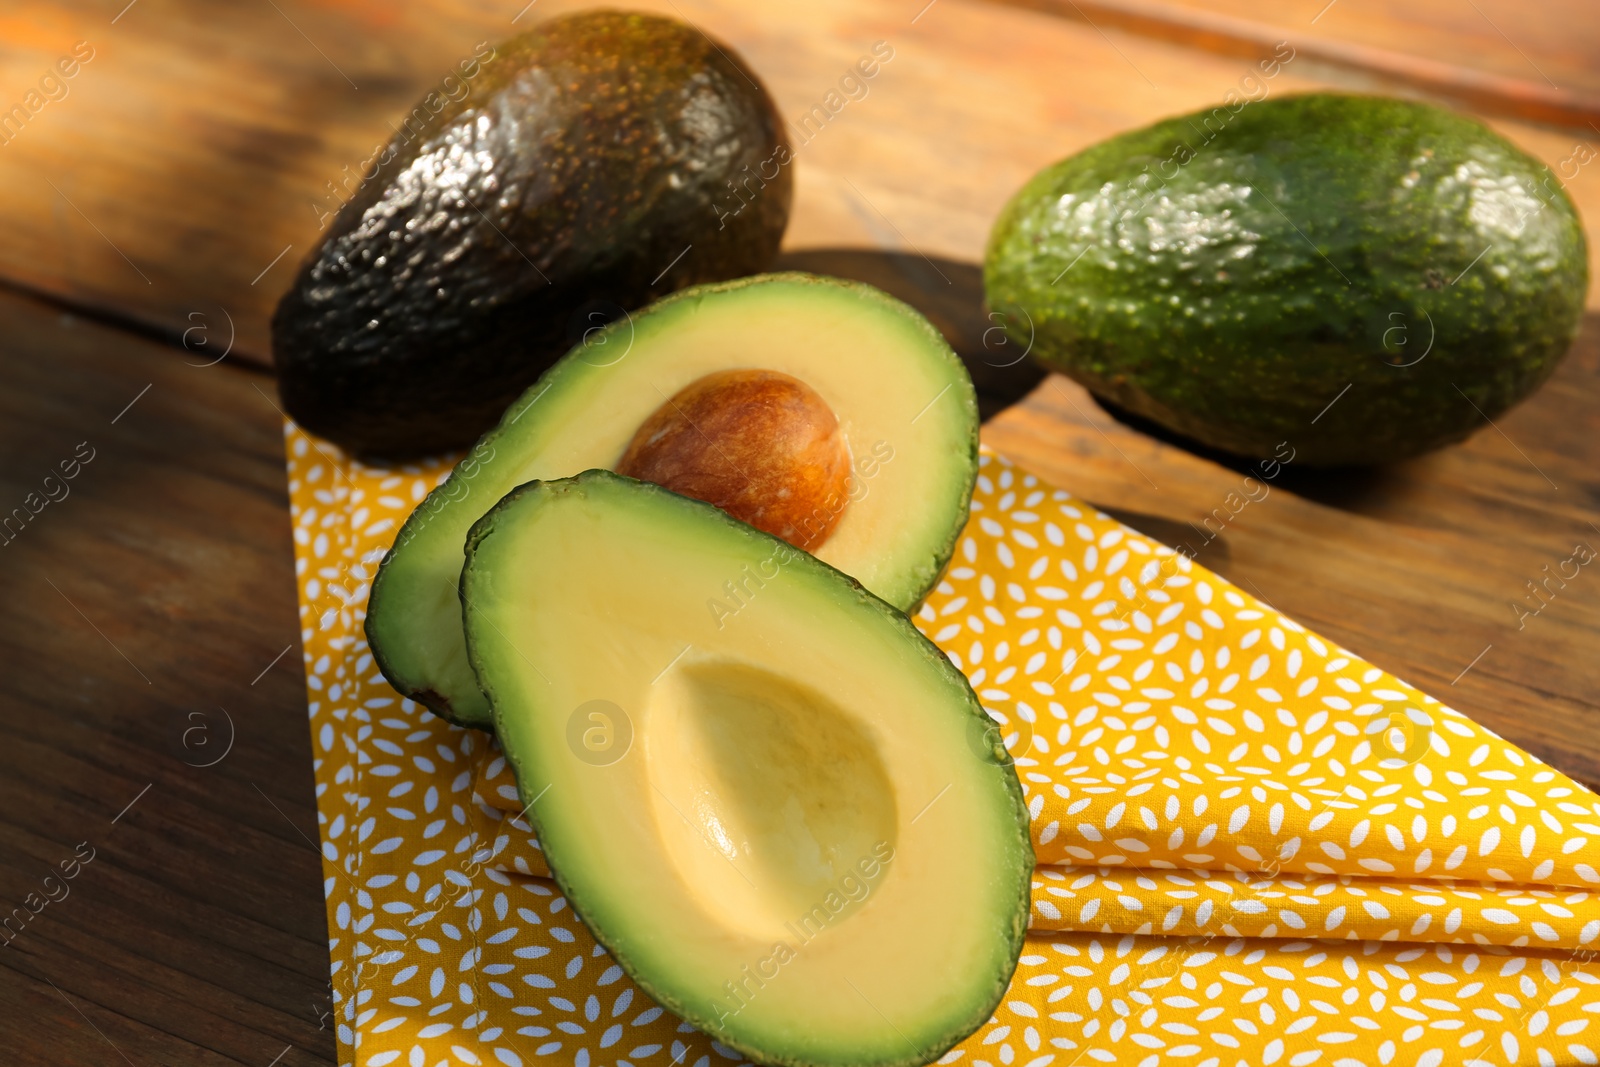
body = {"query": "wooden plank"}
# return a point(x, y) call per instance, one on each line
point(154, 712)
point(168, 200)
point(1554, 44)
point(188, 155)
point(1471, 63)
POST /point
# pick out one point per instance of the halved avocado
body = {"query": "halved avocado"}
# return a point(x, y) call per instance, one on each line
point(902, 399)
point(777, 821)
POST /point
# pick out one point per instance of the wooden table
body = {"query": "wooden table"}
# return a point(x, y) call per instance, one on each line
point(155, 708)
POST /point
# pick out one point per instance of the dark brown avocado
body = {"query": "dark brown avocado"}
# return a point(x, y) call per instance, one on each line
point(595, 163)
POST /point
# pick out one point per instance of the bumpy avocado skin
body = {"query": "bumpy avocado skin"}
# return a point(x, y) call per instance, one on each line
point(1228, 274)
point(589, 155)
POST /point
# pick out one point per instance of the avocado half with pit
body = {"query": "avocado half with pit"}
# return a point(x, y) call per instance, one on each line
point(906, 422)
point(776, 821)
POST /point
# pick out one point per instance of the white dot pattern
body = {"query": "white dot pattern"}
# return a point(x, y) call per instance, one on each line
point(1254, 847)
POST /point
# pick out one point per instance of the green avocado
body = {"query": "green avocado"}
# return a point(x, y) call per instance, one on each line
point(902, 399)
point(597, 162)
point(745, 811)
point(1363, 278)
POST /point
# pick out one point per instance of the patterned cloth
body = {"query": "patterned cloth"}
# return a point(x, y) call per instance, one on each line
point(1254, 847)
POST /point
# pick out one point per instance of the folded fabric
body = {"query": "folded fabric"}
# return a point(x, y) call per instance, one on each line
point(1220, 903)
point(1254, 847)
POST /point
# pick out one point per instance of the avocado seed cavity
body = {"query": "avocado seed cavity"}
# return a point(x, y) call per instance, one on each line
point(760, 445)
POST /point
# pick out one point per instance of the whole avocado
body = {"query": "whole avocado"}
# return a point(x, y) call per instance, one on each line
point(1364, 278)
point(593, 164)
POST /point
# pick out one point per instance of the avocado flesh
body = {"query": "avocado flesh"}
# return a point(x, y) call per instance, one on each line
point(1307, 244)
point(890, 378)
point(569, 184)
point(802, 810)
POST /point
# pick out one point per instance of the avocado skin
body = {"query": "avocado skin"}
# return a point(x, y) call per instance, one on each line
point(589, 154)
point(1311, 243)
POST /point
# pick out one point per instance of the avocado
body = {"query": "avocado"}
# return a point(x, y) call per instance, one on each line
point(597, 162)
point(1363, 278)
point(902, 399)
point(748, 813)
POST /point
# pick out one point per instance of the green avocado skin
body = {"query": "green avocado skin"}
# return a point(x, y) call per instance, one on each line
point(1231, 273)
point(566, 187)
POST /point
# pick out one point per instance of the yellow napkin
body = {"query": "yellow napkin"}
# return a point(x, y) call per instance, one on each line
point(1254, 847)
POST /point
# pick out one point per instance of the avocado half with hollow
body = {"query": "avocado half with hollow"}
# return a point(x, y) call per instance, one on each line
point(906, 413)
point(776, 821)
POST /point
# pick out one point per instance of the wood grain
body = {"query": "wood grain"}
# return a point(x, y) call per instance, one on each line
point(1555, 43)
point(1370, 41)
point(146, 606)
point(181, 202)
point(157, 599)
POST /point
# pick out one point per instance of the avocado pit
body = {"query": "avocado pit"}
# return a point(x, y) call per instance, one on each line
point(761, 445)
